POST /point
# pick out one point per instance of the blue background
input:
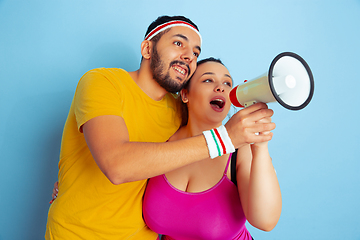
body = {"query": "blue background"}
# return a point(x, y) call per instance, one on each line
point(46, 46)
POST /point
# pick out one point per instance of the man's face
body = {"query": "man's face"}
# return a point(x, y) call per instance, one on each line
point(174, 58)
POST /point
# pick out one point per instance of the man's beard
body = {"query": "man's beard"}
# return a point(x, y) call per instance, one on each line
point(164, 80)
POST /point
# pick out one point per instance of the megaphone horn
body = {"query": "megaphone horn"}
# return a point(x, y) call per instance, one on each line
point(289, 81)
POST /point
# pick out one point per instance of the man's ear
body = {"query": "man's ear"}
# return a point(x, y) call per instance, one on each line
point(183, 94)
point(146, 48)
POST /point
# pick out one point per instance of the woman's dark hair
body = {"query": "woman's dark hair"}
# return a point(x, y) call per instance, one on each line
point(209, 59)
point(183, 107)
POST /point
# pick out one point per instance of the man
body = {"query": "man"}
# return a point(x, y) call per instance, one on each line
point(114, 137)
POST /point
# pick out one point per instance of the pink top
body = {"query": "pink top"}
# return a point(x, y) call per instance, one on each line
point(212, 214)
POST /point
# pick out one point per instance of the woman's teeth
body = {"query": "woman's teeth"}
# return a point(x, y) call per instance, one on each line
point(218, 102)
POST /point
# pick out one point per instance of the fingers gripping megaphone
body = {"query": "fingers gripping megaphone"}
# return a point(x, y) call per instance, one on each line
point(289, 81)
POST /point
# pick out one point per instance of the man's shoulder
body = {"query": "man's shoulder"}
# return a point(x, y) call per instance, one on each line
point(108, 74)
point(107, 71)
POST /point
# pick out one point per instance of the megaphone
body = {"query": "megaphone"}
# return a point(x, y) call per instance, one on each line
point(289, 81)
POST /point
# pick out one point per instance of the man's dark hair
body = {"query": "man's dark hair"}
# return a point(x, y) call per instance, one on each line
point(163, 19)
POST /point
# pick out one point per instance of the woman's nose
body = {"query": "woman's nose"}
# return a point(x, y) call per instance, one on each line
point(219, 89)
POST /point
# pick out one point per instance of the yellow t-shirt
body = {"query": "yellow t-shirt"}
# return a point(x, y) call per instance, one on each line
point(88, 205)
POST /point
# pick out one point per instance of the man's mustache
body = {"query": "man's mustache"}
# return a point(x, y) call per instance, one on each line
point(183, 64)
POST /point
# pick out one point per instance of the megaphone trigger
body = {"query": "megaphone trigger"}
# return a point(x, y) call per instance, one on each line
point(248, 104)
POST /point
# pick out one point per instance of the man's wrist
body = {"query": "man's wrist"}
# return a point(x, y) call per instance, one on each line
point(218, 142)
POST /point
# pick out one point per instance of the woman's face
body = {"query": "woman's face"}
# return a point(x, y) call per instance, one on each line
point(207, 96)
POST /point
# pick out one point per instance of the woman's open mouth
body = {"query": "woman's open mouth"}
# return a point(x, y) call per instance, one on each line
point(218, 104)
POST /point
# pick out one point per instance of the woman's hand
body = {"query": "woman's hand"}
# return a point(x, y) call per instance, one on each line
point(244, 125)
point(263, 144)
point(55, 191)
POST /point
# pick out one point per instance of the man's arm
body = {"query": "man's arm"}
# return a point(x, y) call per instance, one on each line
point(124, 161)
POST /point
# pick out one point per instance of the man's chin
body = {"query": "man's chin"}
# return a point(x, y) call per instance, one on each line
point(174, 90)
point(175, 86)
point(172, 85)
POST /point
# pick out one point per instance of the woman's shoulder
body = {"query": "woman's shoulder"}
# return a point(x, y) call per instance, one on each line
point(179, 134)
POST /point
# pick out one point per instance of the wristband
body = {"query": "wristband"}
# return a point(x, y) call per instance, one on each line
point(218, 142)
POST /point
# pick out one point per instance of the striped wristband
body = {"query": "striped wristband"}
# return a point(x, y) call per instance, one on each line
point(218, 142)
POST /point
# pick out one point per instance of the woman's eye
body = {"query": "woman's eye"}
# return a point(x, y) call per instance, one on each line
point(196, 54)
point(207, 80)
point(229, 84)
point(177, 43)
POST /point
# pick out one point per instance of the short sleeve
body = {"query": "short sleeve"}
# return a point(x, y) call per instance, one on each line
point(96, 95)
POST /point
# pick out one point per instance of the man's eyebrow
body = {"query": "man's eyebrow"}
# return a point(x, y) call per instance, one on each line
point(181, 36)
point(186, 39)
point(198, 48)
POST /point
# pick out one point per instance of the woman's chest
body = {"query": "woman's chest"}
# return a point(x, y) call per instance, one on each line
point(200, 176)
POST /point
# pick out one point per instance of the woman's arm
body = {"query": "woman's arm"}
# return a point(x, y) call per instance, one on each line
point(258, 186)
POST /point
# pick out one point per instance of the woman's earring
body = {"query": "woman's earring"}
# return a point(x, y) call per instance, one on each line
point(185, 100)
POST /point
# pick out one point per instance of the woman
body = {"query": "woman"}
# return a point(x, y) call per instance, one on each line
point(199, 201)
point(210, 199)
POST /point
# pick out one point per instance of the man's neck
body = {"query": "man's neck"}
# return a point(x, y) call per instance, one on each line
point(144, 79)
